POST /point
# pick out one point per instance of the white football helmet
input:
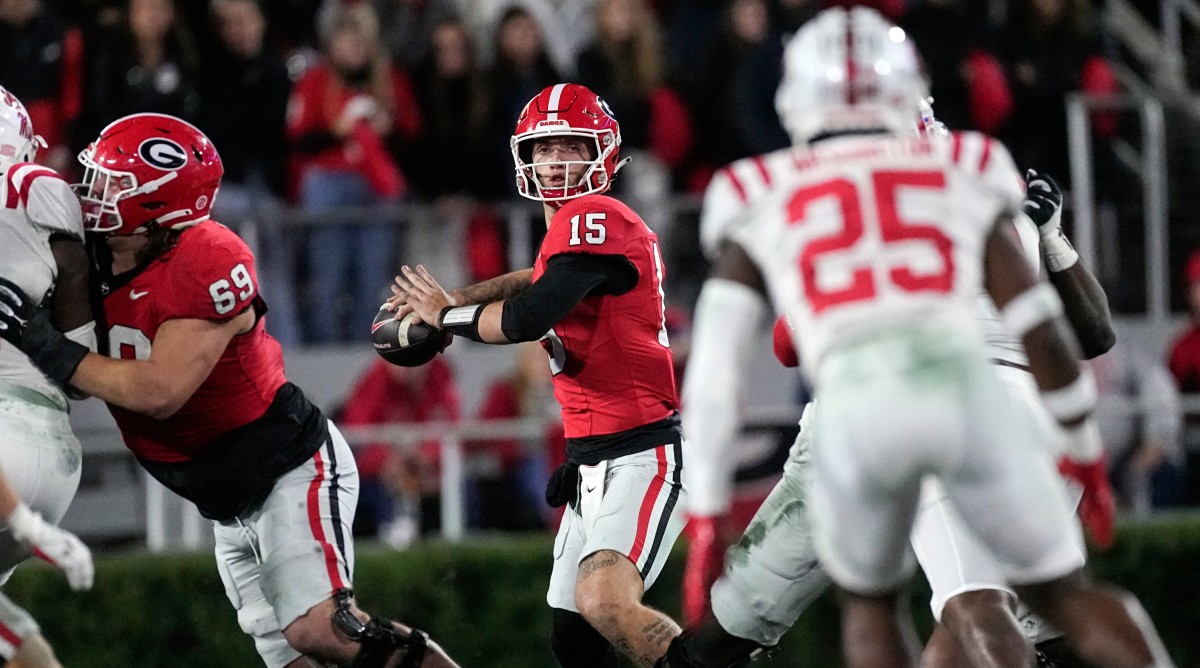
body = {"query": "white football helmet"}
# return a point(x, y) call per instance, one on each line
point(17, 141)
point(850, 69)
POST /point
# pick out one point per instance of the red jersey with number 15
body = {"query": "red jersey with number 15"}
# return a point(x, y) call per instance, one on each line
point(610, 357)
point(208, 275)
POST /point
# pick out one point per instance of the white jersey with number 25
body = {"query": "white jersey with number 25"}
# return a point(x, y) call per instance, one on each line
point(859, 234)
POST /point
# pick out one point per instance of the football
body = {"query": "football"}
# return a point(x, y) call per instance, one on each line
point(403, 342)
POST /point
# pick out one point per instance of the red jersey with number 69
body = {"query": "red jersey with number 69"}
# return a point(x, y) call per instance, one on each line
point(610, 360)
point(857, 235)
point(208, 275)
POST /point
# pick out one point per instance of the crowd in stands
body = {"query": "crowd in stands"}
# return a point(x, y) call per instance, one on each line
point(327, 104)
point(325, 107)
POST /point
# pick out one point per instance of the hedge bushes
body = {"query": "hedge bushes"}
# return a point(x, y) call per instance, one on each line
point(485, 602)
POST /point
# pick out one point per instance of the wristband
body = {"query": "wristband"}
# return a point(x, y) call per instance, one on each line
point(1057, 251)
point(1074, 400)
point(1031, 308)
point(461, 320)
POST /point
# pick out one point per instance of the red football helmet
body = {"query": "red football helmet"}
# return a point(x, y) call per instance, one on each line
point(147, 171)
point(567, 110)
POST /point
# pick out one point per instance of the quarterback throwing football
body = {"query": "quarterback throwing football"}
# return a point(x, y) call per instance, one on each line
point(595, 299)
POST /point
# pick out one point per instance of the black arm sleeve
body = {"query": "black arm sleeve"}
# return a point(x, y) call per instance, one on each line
point(568, 279)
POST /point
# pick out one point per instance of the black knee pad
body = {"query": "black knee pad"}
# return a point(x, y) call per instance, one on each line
point(378, 639)
point(577, 645)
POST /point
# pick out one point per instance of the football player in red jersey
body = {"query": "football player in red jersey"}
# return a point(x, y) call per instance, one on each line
point(595, 299)
point(198, 389)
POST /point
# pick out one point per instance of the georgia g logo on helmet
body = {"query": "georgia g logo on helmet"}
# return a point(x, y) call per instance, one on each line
point(163, 154)
point(604, 105)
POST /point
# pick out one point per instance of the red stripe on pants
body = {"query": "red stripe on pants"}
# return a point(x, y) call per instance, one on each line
point(643, 526)
point(314, 522)
point(10, 637)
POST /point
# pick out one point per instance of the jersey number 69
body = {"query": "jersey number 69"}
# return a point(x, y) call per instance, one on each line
point(222, 292)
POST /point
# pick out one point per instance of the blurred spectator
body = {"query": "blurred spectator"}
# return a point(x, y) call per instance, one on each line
point(510, 474)
point(520, 70)
point(626, 65)
point(243, 108)
point(791, 14)
point(407, 27)
point(343, 113)
point(399, 487)
point(726, 89)
point(893, 9)
point(690, 27)
point(569, 23)
point(967, 81)
point(41, 62)
point(147, 62)
point(1184, 364)
point(1051, 48)
point(453, 97)
point(1139, 419)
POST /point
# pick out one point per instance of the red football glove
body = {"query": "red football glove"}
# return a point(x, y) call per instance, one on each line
point(1096, 508)
point(781, 342)
point(705, 560)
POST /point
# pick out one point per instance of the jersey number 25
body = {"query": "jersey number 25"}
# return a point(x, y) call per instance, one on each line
point(892, 229)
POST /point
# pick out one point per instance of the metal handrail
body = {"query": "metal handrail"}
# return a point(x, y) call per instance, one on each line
point(1173, 11)
point(1154, 181)
point(162, 512)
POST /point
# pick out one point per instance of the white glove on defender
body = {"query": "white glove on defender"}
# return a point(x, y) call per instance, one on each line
point(56, 546)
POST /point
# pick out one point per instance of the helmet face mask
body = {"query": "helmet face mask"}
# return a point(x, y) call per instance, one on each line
point(147, 171)
point(850, 70)
point(562, 112)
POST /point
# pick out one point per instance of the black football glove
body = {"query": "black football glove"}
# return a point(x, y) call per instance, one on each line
point(27, 326)
point(1043, 202)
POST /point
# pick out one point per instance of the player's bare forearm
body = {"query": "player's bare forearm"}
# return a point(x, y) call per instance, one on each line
point(184, 354)
point(137, 385)
point(490, 327)
point(1086, 307)
point(494, 289)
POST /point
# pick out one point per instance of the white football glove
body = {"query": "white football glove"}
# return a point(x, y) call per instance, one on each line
point(54, 545)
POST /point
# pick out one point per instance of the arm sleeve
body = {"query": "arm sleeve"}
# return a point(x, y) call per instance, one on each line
point(724, 200)
point(568, 279)
point(727, 320)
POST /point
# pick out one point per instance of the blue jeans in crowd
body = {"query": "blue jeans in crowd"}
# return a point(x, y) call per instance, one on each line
point(350, 265)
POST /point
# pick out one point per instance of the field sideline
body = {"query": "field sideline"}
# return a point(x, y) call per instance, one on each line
point(484, 601)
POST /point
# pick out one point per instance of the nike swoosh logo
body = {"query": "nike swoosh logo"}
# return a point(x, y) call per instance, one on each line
point(379, 324)
point(134, 294)
point(592, 488)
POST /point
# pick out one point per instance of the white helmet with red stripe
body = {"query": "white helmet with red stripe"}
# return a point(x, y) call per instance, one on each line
point(17, 141)
point(846, 70)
